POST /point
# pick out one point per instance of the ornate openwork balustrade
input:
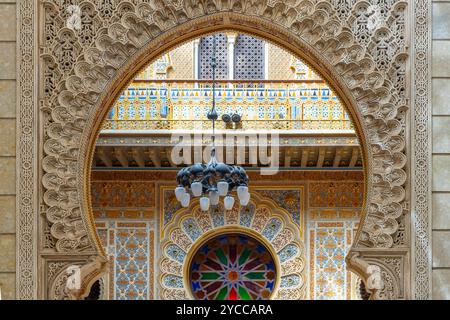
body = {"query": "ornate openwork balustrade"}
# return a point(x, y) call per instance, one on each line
point(269, 105)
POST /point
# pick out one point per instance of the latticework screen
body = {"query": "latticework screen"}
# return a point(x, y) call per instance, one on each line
point(206, 54)
point(249, 58)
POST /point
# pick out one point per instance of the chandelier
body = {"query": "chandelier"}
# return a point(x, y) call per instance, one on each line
point(215, 179)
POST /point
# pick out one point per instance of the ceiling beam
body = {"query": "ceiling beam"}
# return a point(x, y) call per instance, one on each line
point(337, 157)
point(355, 154)
point(305, 155)
point(105, 156)
point(287, 157)
point(155, 156)
point(120, 154)
point(169, 157)
point(139, 156)
point(321, 157)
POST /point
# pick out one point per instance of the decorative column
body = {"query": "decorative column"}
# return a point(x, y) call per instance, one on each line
point(266, 60)
point(196, 59)
point(231, 40)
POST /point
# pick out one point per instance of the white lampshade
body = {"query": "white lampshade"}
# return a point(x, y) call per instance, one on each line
point(204, 203)
point(214, 198)
point(197, 189)
point(222, 187)
point(179, 193)
point(228, 202)
point(241, 191)
point(186, 199)
point(245, 199)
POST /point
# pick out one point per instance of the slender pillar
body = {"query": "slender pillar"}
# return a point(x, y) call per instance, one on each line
point(266, 60)
point(231, 40)
point(196, 59)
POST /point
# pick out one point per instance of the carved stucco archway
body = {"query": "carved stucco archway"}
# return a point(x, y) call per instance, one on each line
point(367, 69)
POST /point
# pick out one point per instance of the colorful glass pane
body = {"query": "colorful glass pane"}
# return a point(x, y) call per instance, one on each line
point(232, 267)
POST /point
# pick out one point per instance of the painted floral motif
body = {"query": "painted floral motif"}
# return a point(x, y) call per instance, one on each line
point(287, 199)
point(176, 253)
point(332, 194)
point(246, 215)
point(217, 216)
point(181, 239)
point(282, 239)
point(171, 205)
point(172, 281)
point(191, 228)
point(288, 253)
point(122, 194)
point(272, 228)
point(290, 281)
point(260, 219)
point(203, 219)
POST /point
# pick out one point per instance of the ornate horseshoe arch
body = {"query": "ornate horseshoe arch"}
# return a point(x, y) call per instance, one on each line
point(81, 72)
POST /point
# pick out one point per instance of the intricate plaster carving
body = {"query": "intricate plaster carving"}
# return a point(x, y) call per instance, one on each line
point(87, 275)
point(421, 159)
point(79, 65)
point(27, 180)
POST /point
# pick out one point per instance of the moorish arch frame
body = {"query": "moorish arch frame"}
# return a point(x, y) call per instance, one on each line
point(59, 107)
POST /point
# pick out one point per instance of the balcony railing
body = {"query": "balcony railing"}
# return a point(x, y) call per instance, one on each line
point(269, 105)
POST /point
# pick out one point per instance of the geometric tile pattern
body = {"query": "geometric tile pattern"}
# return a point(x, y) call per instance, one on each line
point(131, 267)
point(130, 246)
point(292, 105)
point(329, 244)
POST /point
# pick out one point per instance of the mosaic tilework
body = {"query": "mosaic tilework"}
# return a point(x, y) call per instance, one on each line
point(329, 243)
point(172, 105)
point(130, 248)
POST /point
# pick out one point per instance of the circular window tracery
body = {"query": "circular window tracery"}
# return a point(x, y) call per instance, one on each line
point(232, 266)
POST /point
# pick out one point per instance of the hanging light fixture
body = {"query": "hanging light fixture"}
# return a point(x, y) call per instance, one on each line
point(215, 179)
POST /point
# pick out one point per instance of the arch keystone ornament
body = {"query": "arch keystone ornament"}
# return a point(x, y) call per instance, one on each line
point(81, 71)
